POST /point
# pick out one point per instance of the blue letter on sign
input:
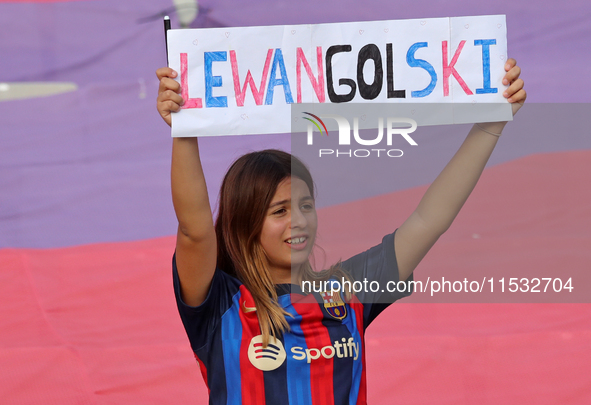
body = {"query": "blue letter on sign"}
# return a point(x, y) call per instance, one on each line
point(273, 81)
point(485, 65)
point(213, 81)
point(412, 62)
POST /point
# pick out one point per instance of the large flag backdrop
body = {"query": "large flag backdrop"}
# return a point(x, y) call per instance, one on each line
point(88, 313)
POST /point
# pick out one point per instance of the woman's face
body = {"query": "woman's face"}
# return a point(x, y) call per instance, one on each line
point(289, 229)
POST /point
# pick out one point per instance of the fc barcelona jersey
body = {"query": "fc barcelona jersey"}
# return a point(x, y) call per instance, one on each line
point(320, 360)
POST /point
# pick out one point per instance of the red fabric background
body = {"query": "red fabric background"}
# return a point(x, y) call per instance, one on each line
point(97, 324)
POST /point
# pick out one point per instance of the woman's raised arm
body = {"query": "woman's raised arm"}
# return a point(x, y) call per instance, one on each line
point(196, 249)
point(450, 190)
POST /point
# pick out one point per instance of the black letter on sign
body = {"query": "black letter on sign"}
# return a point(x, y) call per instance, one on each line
point(338, 98)
point(369, 92)
point(390, 62)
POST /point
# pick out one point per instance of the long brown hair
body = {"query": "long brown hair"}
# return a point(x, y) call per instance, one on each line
point(247, 191)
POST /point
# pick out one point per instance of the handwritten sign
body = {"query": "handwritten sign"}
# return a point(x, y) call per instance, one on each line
point(238, 81)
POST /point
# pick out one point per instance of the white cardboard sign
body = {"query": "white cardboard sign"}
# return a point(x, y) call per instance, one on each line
point(239, 81)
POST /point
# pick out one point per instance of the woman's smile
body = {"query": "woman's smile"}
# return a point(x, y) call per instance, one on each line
point(298, 242)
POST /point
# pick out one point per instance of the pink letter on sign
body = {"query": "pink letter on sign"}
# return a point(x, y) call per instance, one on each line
point(249, 81)
point(451, 70)
point(189, 102)
point(317, 84)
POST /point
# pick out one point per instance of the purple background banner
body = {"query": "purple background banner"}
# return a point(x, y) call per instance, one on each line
point(93, 165)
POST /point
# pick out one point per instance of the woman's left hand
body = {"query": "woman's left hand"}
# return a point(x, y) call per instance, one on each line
point(515, 93)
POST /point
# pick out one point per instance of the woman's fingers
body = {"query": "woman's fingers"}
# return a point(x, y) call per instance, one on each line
point(168, 100)
point(514, 93)
point(166, 108)
point(518, 97)
point(168, 84)
point(514, 88)
point(169, 106)
point(511, 75)
point(165, 72)
point(171, 95)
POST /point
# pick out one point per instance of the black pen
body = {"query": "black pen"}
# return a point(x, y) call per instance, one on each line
point(166, 28)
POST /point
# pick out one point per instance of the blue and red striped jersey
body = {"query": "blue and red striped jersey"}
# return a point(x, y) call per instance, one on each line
point(319, 361)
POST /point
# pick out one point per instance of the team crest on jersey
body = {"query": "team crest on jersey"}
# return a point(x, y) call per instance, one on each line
point(334, 304)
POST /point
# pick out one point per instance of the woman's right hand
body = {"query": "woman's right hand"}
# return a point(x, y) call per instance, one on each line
point(168, 100)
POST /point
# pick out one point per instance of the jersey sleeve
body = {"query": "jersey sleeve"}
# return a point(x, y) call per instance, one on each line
point(376, 279)
point(201, 321)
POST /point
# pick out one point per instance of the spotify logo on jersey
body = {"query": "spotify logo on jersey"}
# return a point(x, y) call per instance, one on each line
point(268, 358)
point(273, 356)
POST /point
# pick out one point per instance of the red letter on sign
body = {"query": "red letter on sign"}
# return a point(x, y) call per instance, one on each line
point(189, 102)
point(317, 84)
point(249, 81)
point(451, 70)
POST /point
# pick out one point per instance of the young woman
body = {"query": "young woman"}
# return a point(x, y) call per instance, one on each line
point(258, 338)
